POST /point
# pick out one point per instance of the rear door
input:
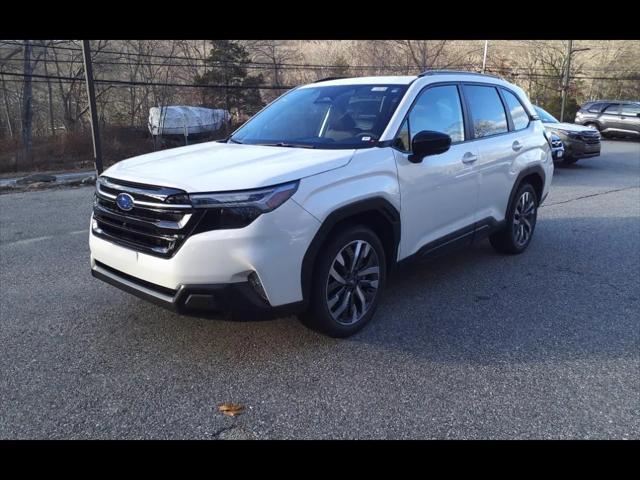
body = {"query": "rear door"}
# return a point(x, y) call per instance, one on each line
point(630, 117)
point(498, 148)
point(610, 117)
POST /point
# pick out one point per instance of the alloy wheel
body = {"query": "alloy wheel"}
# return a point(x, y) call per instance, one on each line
point(524, 219)
point(353, 281)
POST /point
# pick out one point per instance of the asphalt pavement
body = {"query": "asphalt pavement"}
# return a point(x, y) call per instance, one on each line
point(472, 345)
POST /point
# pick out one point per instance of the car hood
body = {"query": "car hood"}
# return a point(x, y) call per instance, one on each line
point(214, 166)
point(569, 127)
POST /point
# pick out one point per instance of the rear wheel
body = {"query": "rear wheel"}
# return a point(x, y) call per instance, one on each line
point(348, 280)
point(520, 224)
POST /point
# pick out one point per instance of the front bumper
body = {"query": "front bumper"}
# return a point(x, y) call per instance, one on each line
point(580, 149)
point(238, 297)
point(273, 246)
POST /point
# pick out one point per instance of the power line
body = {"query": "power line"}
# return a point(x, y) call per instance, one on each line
point(302, 66)
point(259, 87)
point(157, 84)
point(265, 66)
point(323, 67)
point(208, 62)
point(298, 66)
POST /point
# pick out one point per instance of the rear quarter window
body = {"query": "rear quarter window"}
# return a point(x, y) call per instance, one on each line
point(631, 110)
point(519, 115)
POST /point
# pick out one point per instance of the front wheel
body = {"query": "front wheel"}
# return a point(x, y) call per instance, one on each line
point(520, 224)
point(348, 281)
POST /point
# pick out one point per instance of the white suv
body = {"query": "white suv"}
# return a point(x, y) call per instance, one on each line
point(310, 205)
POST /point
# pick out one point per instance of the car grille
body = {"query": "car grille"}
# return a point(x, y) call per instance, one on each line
point(590, 137)
point(158, 223)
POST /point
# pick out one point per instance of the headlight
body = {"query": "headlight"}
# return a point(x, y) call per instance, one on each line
point(566, 133)
point(263, 199)
point(239, 209)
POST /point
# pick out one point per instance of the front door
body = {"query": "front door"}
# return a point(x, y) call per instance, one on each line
point(438, 195)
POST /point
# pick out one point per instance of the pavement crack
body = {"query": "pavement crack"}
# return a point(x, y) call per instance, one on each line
point(589, 196)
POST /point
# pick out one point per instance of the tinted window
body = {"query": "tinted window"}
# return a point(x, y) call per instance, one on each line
point(595, 108)
point(518, 113)
point(487, 111)
point(632, 110)
point(545, 116)
point(438, 109)
point(612, 109)
point(343, 116)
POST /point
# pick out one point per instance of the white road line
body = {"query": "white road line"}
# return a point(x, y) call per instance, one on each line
point(27, 241)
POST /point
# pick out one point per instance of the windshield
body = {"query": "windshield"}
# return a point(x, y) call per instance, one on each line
point(545, 116)
point(344, 116)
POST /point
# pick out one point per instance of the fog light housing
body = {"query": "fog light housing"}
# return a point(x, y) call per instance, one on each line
point(254, 281)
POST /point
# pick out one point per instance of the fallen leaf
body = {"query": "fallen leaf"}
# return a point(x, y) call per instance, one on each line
point(231, 409)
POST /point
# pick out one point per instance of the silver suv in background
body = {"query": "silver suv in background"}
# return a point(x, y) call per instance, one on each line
point(611, 117)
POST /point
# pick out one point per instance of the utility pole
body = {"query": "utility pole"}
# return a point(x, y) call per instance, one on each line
point(567, 74)
point(27, 99)
point(484, 57)
point(565, 82)
point(91, 94)
point(50, 97)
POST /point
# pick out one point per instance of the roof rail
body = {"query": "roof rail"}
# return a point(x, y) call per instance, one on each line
point(607, 100)
point(459, 72)
point(329, 78)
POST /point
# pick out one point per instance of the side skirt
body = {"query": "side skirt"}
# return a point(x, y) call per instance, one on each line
point(457, 240)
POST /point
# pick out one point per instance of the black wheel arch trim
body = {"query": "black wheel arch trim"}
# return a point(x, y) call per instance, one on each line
point(533, 169)
point(374, 204)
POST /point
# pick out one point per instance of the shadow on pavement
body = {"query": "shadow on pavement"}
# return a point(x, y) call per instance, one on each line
point(554, 301)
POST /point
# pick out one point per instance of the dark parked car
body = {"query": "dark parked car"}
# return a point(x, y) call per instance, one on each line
point(579, 141)
point(611, 117)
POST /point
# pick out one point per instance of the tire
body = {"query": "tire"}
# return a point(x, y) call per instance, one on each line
point(592, 124)
point(336, 292)
point(509, 239)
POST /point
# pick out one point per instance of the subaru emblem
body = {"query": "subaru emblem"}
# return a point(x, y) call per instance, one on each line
point(124, 201)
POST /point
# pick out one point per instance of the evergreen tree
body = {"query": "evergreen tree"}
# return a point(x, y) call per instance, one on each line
point(227, 67)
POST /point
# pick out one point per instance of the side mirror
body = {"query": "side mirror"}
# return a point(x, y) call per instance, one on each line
point(428, 142)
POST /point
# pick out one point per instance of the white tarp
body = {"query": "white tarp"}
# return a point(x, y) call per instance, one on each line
point(174, 120)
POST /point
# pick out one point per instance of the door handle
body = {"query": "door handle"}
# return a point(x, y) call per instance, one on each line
point(469, 158)
point(516, 146)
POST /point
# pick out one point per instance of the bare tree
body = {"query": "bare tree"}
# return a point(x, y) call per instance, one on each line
point(277, 53)
point(425, 54)
point(71, 89)
point(5, 91)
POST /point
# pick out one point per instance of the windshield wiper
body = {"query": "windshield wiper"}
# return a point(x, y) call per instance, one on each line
point(290, 145)
point(233, 141)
